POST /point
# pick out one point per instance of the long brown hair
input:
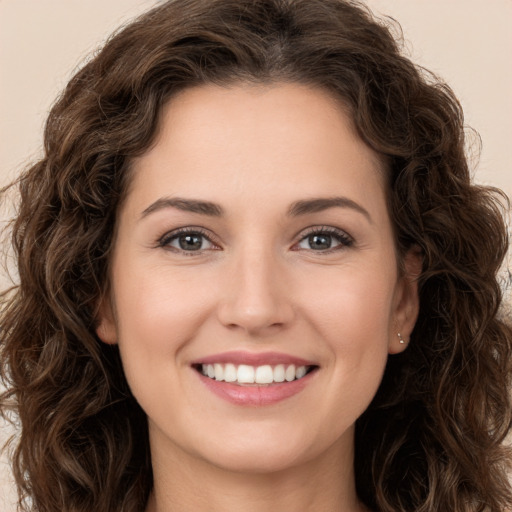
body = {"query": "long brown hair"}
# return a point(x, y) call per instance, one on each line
point(432, 439)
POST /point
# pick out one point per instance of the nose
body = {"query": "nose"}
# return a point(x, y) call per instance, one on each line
point(256, 297)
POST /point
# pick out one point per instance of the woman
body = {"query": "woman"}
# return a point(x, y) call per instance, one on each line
point(254, 273)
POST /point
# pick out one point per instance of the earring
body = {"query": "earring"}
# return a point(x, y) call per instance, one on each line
point(401, 339)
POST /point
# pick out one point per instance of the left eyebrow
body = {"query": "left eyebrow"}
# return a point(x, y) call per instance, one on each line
point(320, 204)
point(187, 205)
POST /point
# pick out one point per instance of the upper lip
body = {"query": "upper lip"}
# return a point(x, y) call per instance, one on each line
point(253, 359)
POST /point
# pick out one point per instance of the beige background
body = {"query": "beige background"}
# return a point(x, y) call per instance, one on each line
point(467, 42)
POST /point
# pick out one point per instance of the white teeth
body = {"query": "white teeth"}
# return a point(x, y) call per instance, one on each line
point(230, 373)
point(300, 372)
point(264, 375)
point(289, 374)
point(245, 374)
point(219, 371)
point(279, 373)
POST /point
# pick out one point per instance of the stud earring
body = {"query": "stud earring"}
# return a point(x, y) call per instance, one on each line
point(401, 339)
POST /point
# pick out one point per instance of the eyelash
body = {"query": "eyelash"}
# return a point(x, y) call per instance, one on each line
point(344, 240)
point(342, 237)
point(166, 239)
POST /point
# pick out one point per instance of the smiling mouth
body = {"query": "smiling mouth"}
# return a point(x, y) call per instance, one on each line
point(246, 375)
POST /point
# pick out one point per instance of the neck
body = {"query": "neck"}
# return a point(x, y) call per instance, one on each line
point(189, 484)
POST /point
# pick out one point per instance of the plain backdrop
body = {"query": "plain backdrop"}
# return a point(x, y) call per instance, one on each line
point(42, 42)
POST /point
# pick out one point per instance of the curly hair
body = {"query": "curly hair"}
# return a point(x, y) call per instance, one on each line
point(433, 437)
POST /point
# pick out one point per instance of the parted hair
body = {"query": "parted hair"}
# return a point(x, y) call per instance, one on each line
point(433, 437)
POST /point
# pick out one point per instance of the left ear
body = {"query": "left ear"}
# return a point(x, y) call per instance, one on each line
point(106, 325)
point(407, 304)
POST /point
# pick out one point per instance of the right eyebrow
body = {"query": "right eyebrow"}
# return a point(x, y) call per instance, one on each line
point(320, 204)
point(186, 205)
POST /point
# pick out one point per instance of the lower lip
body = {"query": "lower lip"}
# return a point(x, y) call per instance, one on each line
point(255, 395)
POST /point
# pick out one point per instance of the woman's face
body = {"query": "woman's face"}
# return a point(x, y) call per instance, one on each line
point(255, 243)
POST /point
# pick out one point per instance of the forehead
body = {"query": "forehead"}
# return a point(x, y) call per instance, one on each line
point(255, 138)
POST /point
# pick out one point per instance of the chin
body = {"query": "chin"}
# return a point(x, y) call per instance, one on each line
point(260, 452)
point(260, 461)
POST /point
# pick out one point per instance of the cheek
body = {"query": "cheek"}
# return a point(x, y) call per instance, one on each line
point(157, 315)
point(350, 305)
point(351, 314)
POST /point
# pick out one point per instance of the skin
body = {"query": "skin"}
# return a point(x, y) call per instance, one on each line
point(257, 284)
